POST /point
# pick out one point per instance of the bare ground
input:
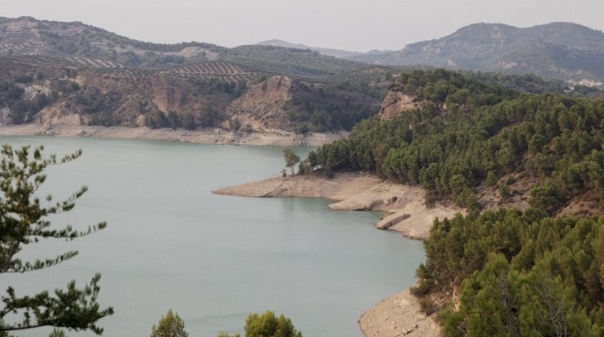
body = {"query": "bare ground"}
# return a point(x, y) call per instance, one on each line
point(206, 136)
point(398, 315)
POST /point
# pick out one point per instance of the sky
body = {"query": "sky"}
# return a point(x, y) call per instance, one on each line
point(354, 25)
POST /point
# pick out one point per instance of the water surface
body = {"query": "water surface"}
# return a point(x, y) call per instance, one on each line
point(213, 259)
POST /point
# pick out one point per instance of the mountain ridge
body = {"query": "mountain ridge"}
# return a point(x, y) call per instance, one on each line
point(559, 50)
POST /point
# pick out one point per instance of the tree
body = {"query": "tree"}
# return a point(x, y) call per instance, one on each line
point(24, 221)
point(267, 325)
point(291, 158)
point(170, 325)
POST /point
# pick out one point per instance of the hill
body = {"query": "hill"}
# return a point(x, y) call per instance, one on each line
point(28, 36)
point(69, 72)
point(563, 51)
point(324, 51)
point(85, 45)
point(479, 144)
point(526, 258)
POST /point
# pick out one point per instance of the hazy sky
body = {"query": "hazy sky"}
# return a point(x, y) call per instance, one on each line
point(358, 25)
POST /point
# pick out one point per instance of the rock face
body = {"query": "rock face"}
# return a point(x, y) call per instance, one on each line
point(262, 107)
point(396, 102)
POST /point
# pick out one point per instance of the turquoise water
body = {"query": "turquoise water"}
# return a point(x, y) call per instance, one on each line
point(170, 243)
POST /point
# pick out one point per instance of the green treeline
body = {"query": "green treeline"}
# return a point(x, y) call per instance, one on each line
point(505, 272)
point(465, 133)
point(513, 273)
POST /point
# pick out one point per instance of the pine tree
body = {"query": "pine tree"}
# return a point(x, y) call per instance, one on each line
point(24, 220)
point(170, 325)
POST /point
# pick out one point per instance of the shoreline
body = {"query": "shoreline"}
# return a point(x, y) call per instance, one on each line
point(404, 205)
point(399, 314)
point(394, 316)
point(206, 136)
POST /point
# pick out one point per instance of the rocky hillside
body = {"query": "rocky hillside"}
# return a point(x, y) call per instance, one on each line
point(83, 91)
point(59, 72)
point(563, 51)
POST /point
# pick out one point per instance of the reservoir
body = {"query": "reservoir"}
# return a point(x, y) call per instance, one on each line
point(171, 243)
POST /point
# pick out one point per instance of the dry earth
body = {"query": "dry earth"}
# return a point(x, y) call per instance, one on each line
point(208, 136)
point(398, 315)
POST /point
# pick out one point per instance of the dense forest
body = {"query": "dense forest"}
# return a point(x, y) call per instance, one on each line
point(513, 273)
point(466, 134)
point(506, 272)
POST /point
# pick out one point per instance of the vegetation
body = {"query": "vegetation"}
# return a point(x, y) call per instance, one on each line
point(267, 325)
point(465, 131)
point(517, 274)
point(322, 108)
point(564, 51)
point(509, 272)
point(291, 159)
point(21, 111)
point(170, 325)
point(24, 221)
point(288, 61)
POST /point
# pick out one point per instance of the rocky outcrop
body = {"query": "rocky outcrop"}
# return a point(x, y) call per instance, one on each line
point(392, 220)
point(396, 102)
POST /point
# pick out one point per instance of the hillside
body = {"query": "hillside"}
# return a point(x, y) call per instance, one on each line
point(528, 167)
point(91, 46)
point(28, 36)
point(480, 145)
point(72, 73)
point(83, 91)
point(324, 51)
point(563, 51)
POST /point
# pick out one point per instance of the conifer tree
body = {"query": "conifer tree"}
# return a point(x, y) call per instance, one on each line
point(24, 220)
point(170, 325)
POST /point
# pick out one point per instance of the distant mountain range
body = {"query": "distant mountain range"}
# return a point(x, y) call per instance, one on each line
point(564, 51)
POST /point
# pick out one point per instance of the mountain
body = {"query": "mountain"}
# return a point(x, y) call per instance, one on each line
point(563, 51)
point(324, 51)
point(83, 45)
point(72, 73)
point(28, 36)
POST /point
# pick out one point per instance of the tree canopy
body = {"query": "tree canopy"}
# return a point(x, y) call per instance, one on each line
point(170, 325)
point(267, 325)
point(465, 133)
point(291, 158)
point(24, 220)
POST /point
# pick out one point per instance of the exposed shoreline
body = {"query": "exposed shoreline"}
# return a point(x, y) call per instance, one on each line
point(205, 136)
point(400, 314)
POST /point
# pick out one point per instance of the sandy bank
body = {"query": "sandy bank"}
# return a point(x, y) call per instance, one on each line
point(398, 315)
point(206, 136)
point(356, 192)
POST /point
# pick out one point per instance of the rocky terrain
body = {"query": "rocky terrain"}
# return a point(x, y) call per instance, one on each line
point(70, 73)
point(221, 94)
